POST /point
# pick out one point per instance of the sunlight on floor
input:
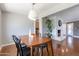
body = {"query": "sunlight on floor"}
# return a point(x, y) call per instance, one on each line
point(70, 41)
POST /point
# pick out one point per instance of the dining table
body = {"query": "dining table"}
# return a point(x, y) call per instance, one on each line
point(35, 41)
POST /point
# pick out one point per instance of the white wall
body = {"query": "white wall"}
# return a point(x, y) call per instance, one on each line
point(56, 28)
point(40, 26)
point(15, 24)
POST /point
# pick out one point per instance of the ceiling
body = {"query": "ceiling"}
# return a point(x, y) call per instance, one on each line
point(40, 8)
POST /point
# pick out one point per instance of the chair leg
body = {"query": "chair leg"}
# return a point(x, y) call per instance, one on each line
point(18, 53)
point(47, 51)
point(21, 53)
point(52, 51)
point(41, 51)
point(37, 51)
point(32, 52)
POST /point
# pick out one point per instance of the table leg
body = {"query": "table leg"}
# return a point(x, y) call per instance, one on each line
point(52, 49)
point(31, 51)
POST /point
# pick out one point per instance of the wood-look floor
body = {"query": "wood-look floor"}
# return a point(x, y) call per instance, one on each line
point(67, 47)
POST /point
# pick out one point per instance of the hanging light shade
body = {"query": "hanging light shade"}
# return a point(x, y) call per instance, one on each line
point(32, 14)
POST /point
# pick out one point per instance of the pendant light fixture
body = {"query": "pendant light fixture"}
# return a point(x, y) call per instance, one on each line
point(32, 14)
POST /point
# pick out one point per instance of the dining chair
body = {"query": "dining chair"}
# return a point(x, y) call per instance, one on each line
point(22, 49)
point(42, 47)
point(45, 46)
point(38, 47)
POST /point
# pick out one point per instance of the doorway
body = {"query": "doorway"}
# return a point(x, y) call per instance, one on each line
point(37, 27)
point(70, 29)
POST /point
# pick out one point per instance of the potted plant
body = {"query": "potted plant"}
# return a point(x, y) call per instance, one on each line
point(49, 26)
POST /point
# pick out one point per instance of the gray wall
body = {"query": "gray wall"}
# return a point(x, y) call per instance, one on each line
point(15, 24)
point(0, 28)
point(76, 28)
point(68, 15)
point(44, 29)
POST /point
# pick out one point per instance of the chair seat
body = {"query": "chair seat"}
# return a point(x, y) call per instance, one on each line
point(26, 52)
point(23, 45)
point(25, 49)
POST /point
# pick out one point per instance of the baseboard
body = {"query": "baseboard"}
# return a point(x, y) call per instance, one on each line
point(76, 36)
point(2, 45)
point(58, 39)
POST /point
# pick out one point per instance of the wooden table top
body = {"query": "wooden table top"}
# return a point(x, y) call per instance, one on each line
point(35, 40)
